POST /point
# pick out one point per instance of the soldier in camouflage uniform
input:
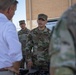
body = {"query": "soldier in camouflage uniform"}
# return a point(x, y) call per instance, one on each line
point(38, 44)
point(63, 45)
point(23, 33)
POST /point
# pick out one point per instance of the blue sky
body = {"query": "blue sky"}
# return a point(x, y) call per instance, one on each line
point(20, 13)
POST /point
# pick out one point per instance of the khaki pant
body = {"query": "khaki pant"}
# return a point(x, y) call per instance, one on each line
point(6, 73)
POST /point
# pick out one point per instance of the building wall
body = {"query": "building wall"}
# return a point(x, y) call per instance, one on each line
point(53, 8)
point(73, 1)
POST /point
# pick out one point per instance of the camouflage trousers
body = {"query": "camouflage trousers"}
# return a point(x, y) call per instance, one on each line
point(42, 70)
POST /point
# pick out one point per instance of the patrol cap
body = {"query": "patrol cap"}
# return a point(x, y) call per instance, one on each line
point(22, 22)
point(42, 16)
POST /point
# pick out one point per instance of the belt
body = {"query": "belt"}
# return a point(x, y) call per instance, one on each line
point(3, 69)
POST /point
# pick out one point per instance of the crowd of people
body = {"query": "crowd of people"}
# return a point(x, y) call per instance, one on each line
point(48, 52)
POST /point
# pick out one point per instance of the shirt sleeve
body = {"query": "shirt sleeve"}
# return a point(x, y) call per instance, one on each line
point(12, 41)
point(28, 49)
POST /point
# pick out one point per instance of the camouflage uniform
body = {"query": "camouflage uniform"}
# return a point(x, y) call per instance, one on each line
point(63, 43)
point(22, 38)
point(37, 46)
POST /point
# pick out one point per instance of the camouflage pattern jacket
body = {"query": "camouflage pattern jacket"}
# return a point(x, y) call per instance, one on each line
point(37, 46)
point(23, 37)
point(63, 43)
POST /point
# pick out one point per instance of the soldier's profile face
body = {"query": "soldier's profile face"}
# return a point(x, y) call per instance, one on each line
point(41, 22)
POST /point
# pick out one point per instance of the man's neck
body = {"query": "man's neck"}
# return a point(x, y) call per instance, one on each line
point(41, 28)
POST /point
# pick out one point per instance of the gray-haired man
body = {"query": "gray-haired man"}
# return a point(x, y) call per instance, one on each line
point(10, 47)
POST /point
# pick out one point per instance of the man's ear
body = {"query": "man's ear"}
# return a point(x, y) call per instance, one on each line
point(8, 10)
point(46, 21)
point(37, 21)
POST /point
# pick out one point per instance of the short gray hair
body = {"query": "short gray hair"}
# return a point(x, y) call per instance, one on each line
point(5, 4)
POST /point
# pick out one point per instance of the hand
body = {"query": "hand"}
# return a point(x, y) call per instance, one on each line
point(29, 64)
point(13, 70)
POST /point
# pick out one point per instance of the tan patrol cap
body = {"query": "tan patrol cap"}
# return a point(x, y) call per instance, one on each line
point(22, 22)
point(42, 16)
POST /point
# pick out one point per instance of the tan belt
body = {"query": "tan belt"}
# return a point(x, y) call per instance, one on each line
point(3, 69)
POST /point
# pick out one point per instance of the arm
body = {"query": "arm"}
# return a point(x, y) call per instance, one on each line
point(15, 67)
point(14, 47)
point(29, 45)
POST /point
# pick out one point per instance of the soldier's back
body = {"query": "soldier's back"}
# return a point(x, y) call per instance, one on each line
point(63, 43)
